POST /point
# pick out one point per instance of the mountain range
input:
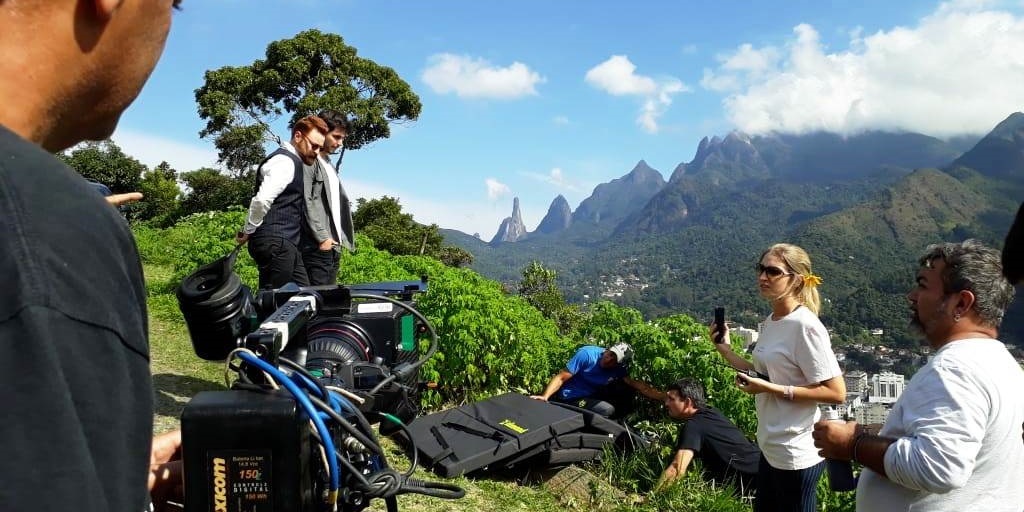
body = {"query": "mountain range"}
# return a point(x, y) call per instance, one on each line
point(864, 206)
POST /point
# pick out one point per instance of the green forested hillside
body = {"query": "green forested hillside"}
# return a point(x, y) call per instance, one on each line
point(856, 204)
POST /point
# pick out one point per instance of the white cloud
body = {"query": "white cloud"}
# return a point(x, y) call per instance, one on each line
point(617, 76)
point(690, 49)
point(469, 77)
point(556, 178)
point(496, 189)
point(751, 60)
point(958, 70)
point(560, 120)
point(152, 149)
point(719, 82)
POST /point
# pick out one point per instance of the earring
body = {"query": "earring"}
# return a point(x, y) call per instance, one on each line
point(956, 316)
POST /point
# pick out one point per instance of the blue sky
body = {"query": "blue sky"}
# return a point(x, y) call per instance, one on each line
point(533, 99)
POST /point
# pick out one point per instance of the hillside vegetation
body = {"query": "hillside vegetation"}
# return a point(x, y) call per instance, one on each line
point(490, 342)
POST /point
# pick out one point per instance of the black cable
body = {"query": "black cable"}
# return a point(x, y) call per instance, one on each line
point(387, 483)
point(364, 424)
point(242, 377)
point(362, 438)
point(434, 489)
point(381, 384)
point(433, 334)
point(392, 503)
point(415, 453)
point(344, 461)
point(298, 368)
point(361, 418)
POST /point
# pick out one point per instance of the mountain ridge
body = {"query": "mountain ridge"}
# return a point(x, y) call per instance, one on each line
point(862, 205)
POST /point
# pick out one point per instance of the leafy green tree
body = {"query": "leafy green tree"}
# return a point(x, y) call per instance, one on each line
point(106, 163)
point(539, 289)
point(300, 76)
point(394, 231)
point(159, 187)
point(211, 190)
point(455, 256)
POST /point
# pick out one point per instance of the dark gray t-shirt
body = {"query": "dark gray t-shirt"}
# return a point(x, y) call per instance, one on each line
point(74, 351)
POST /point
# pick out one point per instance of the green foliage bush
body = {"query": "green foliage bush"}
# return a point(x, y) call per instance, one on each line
point(489, 342)
point(201, 238)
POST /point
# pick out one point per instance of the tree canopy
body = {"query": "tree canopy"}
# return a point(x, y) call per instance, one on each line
point(310, 72)
point(106, 163)
point(394, 231)
point(210, 190)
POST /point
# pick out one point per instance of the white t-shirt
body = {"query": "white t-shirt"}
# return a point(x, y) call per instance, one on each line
point(793, 351)
point(331, 183)
point(959, 424)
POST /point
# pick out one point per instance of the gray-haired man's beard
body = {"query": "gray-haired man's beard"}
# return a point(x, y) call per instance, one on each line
point(917, 327)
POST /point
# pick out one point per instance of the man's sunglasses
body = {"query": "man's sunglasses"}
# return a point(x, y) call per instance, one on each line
point(315, 146)
point(771, 271)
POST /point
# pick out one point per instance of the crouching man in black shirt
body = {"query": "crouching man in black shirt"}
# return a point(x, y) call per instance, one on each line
point(726, 454)
point(74, 349)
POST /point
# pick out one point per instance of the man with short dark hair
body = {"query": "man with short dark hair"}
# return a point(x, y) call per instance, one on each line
point(74, 349)
point(725, 453)
point(953, 440)
point(328, 210)
point(276, 222)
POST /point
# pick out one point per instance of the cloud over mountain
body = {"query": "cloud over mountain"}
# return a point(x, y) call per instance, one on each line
point(617, 76)
point(957, 71)
point(496, 189)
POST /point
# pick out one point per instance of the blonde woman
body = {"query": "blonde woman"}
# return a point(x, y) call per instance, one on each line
point(795, 354)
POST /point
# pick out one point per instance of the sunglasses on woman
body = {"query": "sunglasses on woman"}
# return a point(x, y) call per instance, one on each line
point(771, 271)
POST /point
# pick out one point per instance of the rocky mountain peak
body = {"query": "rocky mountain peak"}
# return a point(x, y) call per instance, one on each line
point(512, 228)
point(679, 171)
point(736, 147)
point(643, 173)
point(613, 201)
point(558, 218)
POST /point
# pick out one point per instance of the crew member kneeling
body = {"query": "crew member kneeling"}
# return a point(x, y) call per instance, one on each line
point(598, 379)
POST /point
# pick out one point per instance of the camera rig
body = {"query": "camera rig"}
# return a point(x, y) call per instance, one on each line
point(314, 366)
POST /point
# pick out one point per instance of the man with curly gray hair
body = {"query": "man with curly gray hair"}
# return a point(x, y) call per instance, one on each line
point(953, 440)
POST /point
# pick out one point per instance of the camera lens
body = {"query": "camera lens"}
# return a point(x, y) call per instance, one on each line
point(334, 343)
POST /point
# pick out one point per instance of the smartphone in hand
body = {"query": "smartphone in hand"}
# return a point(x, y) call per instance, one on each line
point(720, 322)
point(753, 374)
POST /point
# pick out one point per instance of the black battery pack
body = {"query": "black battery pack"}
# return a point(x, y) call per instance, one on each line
point(246, 451)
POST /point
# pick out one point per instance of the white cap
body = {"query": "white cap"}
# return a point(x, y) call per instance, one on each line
point(623, 352)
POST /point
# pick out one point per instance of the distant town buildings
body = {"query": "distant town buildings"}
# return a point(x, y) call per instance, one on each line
point(856, 381)
point(886, 387)
point(749, 336)
point(871, 413)
point(853, 404)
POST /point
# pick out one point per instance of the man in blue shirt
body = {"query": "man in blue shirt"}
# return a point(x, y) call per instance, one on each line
point(597, 379)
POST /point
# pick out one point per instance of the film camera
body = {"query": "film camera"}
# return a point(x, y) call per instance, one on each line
point(316, 364)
